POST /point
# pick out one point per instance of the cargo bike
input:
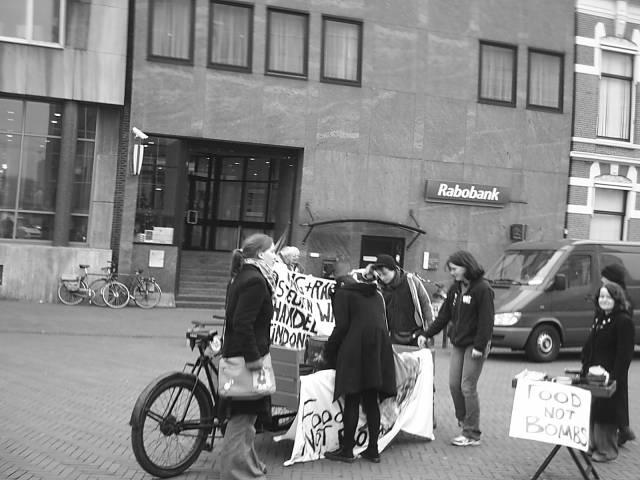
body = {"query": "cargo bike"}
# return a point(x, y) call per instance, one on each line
point(180, 414)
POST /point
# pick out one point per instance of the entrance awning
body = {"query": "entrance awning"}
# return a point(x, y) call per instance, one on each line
point(417, 230)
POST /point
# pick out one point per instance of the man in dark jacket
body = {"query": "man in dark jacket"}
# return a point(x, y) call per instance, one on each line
point(407, 302)
point(360, 350)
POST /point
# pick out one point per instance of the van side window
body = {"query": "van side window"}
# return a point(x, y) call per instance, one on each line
point(577, 269)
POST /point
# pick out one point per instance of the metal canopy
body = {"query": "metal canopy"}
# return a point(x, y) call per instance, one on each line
point(417, 230)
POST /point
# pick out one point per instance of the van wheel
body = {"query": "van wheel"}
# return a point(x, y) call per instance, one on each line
point(543, 344)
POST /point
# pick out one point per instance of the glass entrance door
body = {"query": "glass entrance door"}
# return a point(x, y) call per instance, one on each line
point(199, 203)
point(230, 198)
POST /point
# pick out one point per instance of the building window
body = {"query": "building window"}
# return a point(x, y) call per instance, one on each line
point(157, 199)
point(171, 30)
point(546, 80)
point(30, 141)
point(287, 42)
point(498, 66)
point(32, 21)
point(608, 214)
point(231, 36)
point(614, 107)
point(83, 173)
point(341, 50)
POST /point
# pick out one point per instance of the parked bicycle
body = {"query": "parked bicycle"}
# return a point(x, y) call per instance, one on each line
point(73, 289)
point(145, 291)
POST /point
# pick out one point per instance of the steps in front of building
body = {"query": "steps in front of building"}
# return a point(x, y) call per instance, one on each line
point(203, 280)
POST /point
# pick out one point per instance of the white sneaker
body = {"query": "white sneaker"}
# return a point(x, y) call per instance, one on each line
point(463, 441)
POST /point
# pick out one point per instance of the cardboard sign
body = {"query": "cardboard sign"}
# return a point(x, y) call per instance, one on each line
point(551, 413)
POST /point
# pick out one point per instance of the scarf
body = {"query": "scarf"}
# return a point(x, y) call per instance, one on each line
point(266, 271)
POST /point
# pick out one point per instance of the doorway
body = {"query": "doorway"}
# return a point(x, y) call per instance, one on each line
point(371, 246)
point(230, 197)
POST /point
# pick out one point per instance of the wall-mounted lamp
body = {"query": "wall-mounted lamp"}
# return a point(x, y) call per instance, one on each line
point(138, 150)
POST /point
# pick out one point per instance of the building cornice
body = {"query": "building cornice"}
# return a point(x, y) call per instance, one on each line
point(599, 157)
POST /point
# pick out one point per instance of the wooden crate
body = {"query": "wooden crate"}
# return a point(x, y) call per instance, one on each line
point(286, 367)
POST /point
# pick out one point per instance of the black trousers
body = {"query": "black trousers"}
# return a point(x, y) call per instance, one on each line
point(370, 406)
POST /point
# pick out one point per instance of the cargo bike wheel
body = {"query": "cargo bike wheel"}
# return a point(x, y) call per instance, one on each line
point(170, 423)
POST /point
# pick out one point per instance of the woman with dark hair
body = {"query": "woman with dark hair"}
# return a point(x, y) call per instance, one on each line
point(616, 273)
point(610, 345)
point(468, 310)
point(249, 309)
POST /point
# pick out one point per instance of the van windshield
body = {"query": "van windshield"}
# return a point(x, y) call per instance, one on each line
point(523, 267)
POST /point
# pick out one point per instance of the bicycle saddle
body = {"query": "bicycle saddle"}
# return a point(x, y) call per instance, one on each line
point(84, 266)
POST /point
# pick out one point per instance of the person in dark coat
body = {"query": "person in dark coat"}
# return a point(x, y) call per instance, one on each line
point(468, 310)
point(360, 350)
point(610, 345)
point(616, 273)
point(249, 310)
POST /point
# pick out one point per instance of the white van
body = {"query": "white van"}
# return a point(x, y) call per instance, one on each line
point(545, 292)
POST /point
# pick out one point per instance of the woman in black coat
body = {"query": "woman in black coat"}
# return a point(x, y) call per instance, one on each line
point(610, 345)
point(360, 350)
point(249, 310)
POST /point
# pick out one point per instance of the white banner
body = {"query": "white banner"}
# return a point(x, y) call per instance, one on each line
point(302, 308)
point(318, 424)
point(552, 413)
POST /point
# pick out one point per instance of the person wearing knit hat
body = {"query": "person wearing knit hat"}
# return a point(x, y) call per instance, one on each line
point(407, 302)
point(615, 273)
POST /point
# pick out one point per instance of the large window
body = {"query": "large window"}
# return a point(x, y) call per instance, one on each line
point(497, 82)
point(30, 140)
point(608, 214)
point(83, 173)
point(157, 185)
point(231, 31)
point(546, 78)
point(33, 21)
point(614, 107)
point(341, 50)
point(287, 42)
point(171, 30)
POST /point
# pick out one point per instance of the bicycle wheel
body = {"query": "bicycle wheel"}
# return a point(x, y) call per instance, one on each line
point(71, 297)
point(147, 293)
point(169, 428)
point(97, 286)
point(115, 294)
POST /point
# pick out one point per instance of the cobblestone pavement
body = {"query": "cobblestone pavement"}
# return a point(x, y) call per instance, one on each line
point(69, 378)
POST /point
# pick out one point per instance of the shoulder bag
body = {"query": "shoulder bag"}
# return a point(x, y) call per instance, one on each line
point(235, 380)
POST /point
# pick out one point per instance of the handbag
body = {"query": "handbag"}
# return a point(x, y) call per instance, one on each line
point(235, 380)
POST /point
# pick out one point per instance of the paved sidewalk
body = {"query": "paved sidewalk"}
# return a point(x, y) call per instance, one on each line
point(70, 377)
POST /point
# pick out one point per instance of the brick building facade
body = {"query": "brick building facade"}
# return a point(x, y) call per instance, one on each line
point(603, 177)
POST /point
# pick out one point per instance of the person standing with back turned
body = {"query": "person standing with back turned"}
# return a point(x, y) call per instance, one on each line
point(468, 310)
point(360, 350)
point(249, 310)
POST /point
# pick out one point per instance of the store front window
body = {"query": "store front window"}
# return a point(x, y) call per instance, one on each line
point(30, 142)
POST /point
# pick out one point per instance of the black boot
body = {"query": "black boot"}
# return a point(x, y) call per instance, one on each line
point(371, 454)
point(625, 434)
point(340, 455)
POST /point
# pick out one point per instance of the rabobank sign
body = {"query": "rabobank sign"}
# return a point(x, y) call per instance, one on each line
point(467, 193)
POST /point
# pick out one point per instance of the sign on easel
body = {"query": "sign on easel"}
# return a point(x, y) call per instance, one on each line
point(552, 413)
